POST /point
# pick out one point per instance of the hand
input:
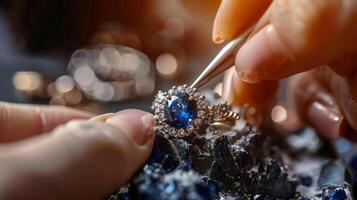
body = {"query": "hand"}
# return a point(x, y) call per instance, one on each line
point(82, 159)
point(316, 37)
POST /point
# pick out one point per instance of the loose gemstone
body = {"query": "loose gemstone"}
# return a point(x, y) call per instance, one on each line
point(179, 111)
point(339, 195)
point(305, 180)
point(334, 192)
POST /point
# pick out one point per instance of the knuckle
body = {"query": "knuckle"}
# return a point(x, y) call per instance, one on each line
point(304, 24)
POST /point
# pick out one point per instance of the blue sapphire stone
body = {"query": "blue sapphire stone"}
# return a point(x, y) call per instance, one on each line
point(180, 110)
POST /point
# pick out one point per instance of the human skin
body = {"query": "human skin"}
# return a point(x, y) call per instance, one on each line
point(313, 42)
point(50, 152)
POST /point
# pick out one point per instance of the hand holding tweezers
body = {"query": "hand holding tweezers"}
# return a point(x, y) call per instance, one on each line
point(224, 60)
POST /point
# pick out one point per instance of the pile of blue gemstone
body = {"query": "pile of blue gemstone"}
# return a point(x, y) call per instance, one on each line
point(233, 164)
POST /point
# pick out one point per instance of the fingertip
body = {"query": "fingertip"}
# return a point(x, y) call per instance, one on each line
point(241, 93)
point(217, 26)
point(327, 120)
point(235, 16)
point(317, 106)
point(262, 57)
point(217, 39)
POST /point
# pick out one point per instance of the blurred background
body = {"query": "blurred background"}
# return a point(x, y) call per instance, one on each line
point(102, 56)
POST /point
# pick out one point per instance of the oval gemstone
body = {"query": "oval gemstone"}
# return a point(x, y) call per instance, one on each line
point(180, 110)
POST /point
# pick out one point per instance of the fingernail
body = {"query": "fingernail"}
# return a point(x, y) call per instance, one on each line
point(102, 117)
point(328, 121)
point(218, 40)
point(258, 58)
point(135, 123)
point(216, 37)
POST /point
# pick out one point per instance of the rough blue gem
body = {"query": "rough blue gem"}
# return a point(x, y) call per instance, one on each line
point(334, 192)
point(305, 180)
point(339, 194)
point(163, 153)
point(180, 110)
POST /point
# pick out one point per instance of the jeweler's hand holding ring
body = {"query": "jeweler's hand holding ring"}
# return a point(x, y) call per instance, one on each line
point(80, 159)
point(290, 37)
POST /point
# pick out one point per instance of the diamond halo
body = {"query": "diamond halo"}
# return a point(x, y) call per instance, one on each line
point(182, 111)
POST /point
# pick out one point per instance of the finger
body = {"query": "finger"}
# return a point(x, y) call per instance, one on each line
point(342, 89)
point(347, 68)
point(316, 106)
point(320, 107)
point(300, 35)
point(234, 16)
point(80, 160)
point(21, 121)
point(238, 92)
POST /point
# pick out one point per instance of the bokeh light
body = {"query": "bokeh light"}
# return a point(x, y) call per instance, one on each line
point(64, 84)
point(85, 77)
point(27, 81)
point(112, 73)
point(166, 65)
point(103, 91)
point(279, 114)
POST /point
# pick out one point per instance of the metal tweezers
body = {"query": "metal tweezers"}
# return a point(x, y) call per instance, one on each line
point(223, 61)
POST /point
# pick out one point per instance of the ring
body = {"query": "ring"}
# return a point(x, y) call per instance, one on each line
point(182, 111)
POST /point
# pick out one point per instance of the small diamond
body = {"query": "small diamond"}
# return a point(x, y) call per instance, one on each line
point(172, 131)
point(200, 113)
point(190, 128)
point(181, 133)
point(189, 90)
point(198, 122)
point(161, 116)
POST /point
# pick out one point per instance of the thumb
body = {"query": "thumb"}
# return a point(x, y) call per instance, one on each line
point(79, 160)
point(297, 36)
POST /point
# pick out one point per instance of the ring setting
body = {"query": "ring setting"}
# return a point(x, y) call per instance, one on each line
point(182, 111)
